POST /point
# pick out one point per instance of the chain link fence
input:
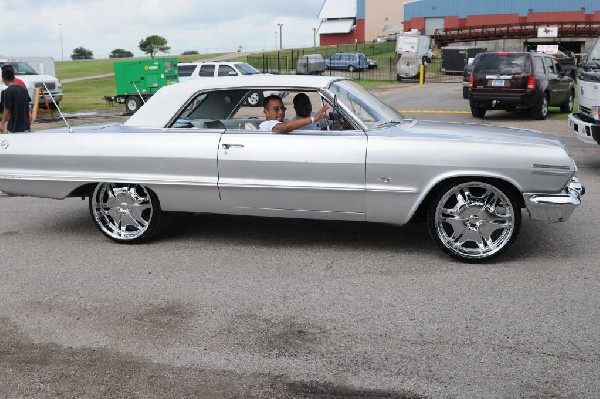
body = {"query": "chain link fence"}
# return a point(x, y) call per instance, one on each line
point(386, 68)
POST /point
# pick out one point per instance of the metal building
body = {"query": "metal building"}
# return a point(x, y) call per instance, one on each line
point(512, 25)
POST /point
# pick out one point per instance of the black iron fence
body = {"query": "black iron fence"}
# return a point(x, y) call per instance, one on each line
point(387, 67)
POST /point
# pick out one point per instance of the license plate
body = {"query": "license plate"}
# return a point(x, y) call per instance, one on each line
point(498, 82)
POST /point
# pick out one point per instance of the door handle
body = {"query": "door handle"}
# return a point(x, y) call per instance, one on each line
point(228, 146)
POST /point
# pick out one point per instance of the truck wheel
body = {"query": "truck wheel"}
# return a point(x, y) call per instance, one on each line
point(255, 99)
point(132, 104)
point(478, 112)
point(351, 68)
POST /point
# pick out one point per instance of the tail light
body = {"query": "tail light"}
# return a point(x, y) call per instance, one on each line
point(471, 81)
point(531, 82)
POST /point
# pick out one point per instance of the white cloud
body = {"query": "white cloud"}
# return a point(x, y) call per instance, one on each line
point(34, 27)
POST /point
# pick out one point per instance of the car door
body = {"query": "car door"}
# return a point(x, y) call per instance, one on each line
point(301, 171)
point(556, 87)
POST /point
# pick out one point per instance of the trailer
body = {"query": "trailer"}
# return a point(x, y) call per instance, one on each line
point(456, 58)
point(136, 81)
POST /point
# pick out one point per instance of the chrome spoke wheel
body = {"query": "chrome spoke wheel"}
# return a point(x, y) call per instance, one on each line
point(474, 220)
point(124, 212)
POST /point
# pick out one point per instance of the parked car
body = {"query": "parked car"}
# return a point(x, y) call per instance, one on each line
point(511, 81)
point(33, 79)
point(348, 61)
point(371, 64)
point(208, 69)
point(310, 64)
point(193, 148)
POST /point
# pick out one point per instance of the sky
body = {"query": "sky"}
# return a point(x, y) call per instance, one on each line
point(55, 27)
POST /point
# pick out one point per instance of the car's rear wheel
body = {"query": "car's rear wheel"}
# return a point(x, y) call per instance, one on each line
point(478, 112)
point(474, 220)
point(465, 93)
point(567, 106)
point(125, 213)
point(541, 111)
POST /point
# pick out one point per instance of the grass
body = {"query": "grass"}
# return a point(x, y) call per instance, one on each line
point(87, 95)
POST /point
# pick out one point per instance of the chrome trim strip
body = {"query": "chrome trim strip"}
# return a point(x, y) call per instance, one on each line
point(542, 166)
point(93, 179)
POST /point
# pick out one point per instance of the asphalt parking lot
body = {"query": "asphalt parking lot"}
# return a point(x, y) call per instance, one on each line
point(241, 307)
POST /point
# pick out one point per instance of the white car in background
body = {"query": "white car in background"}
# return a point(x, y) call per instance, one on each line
point(34, 79)
point(214, 69)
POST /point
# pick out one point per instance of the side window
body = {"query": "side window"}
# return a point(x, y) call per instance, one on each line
point(549, 65)
point(207, 71)
point(226, 70)
point(539, 66)
point(186, 70)
point(209, 110)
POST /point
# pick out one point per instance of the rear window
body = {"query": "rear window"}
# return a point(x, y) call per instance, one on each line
point(509, 64)
point(186, 70)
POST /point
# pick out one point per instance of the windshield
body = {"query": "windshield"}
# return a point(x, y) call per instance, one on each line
point(246, 69)
point(21, 68)
point(369, 109)
point(508, 64)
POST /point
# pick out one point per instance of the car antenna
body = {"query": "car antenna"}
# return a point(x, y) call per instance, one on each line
point(139, 94)
point(58, 108)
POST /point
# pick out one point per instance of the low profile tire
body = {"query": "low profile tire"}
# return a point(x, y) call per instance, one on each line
point(351, 68)
point(466, 93)
point(567, 106)
point(126, 213)
point(541, 111)
point(255, 99)
point(132, 104)
point(478, 112)
point(474, 221)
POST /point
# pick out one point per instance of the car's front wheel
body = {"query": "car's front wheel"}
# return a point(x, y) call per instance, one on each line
point(126, 213)
point(474, 221)
point(567, 106)
point(351, 68)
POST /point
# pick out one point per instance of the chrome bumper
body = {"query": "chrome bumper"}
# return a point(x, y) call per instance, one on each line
point(555, 207)
point(584, 131)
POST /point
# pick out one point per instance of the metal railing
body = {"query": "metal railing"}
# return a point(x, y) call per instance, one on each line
point(386, 70)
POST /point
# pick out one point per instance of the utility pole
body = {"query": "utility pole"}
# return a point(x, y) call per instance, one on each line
point(315, 37)
point(62, 54)
point(280, 37)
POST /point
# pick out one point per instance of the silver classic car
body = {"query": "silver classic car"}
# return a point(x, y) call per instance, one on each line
point(195, 147)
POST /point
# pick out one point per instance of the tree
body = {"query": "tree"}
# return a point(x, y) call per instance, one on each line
point(190, 52)
point(154, 44)
point(81, 53)
point(120, 53)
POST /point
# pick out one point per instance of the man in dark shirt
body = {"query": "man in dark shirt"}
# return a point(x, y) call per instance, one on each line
point(14, 105)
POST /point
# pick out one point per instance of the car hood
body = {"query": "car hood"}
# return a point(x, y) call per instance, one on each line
point(480, 132)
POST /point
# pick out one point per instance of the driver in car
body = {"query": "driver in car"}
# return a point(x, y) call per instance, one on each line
point(274, 111)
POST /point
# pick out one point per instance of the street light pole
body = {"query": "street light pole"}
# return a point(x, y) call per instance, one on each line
point(314, 37)
point(62, 54)
point(280, 37)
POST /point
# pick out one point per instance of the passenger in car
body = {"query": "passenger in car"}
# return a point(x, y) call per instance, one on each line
point(303, 108)
point(274, 111)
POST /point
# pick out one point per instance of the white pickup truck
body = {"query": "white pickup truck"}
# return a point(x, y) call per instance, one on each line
point(586, 124)
point(34, 74)
point(214, 69)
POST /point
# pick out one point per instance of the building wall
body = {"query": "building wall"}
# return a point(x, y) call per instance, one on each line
point(464, 8)
point(378, 13)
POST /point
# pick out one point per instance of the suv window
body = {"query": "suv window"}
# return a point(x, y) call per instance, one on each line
point(539, 66)
point(207, 70)
point(509, 64)
point(186, 70)
point(549, 65)
point(224, 70)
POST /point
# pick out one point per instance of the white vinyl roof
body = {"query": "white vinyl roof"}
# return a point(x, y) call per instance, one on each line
point(168, 100)
point(338, 9)
point(335, 26)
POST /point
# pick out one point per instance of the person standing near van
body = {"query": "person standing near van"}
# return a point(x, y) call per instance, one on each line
point(14, 105)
